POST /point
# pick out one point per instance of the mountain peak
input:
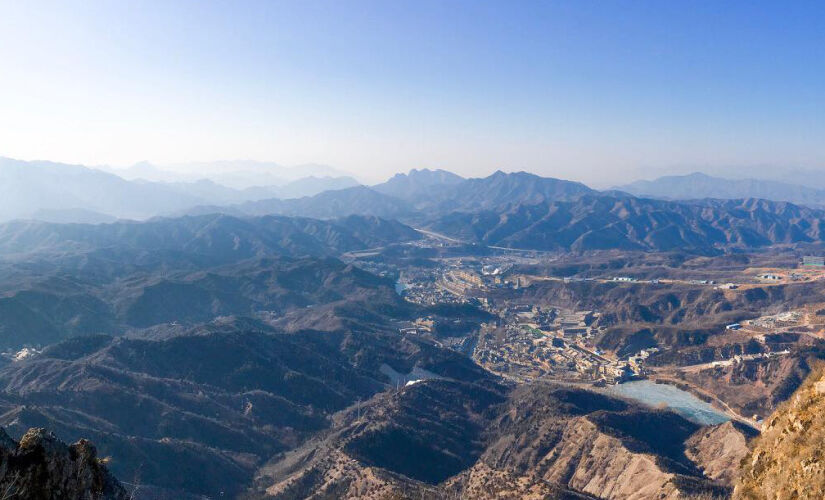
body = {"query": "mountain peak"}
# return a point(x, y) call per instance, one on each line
point(440, 174)
point(697, 175)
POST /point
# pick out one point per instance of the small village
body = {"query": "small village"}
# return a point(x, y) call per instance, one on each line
point(526, 341)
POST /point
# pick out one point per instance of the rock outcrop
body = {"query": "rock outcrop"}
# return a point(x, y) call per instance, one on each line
point(718, 450)
point(41, 466)
point(788, 459)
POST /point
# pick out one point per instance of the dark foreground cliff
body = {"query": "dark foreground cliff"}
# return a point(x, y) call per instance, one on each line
point(41, 466)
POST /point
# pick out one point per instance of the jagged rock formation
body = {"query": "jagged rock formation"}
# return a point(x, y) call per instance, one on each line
point(787, 460)
point(41, 466)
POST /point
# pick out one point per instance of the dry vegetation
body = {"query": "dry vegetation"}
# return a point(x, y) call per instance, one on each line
point(788, 460)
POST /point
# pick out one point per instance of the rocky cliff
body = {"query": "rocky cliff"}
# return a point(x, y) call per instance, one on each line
point(41, 466)
point(787, 460)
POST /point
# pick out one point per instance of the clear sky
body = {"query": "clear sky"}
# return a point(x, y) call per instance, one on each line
point(597, 91)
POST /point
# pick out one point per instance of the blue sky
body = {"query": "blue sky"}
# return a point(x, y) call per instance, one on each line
point(594, 91)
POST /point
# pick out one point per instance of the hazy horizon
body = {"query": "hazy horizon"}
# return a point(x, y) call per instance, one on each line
point(220, 170)
point(600, 93)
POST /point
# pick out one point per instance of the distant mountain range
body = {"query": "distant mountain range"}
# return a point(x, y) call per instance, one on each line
point(74, 193)
point(359, 200)
point(698, 186)
point(518, 210)
point(521, 210)
point(237, 174)
point(421, 193)
point(599, 222)
point(439, 191)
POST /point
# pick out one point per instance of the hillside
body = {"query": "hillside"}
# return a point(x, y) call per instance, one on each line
point(524, 211)
point(51, 306)
point(481, 440)
point(438, 192)
point(786, 460)
point(215, 400)
point(359, 200)
point(59, 281)
point(216, 238)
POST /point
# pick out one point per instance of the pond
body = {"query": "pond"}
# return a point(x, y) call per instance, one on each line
point(682, 402)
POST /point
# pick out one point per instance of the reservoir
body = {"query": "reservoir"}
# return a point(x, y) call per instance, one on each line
point(682, 402)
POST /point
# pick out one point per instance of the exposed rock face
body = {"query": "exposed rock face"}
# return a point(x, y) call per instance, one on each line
point(755, 387)
point(788, 459)
point(718, 450)
point(593, 462)
point(43, 467)
point(593, 445)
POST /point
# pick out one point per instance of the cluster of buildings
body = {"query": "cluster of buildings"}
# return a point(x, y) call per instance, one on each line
point(770, 277)
point(536, 342)
point(454, 283)
point(813, 261)
point(522, 353)
point(470, 283)
point(741, 358)
point(421, 326)
point(429, 293)
point(785, 319)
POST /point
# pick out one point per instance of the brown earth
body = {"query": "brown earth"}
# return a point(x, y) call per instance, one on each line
point(788, 459)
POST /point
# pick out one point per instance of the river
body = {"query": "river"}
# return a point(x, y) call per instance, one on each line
point(682, 402)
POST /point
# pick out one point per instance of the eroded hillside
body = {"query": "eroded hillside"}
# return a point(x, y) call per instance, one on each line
point(440, 439)
point(787, 459)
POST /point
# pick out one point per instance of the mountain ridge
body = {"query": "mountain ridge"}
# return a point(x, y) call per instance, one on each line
point(605, 222)
point(699, 186)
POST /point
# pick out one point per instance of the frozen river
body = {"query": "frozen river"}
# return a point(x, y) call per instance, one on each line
point(682, 402)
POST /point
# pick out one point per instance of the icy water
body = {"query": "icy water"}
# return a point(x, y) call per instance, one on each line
point(400, 286)
point(683, 403)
